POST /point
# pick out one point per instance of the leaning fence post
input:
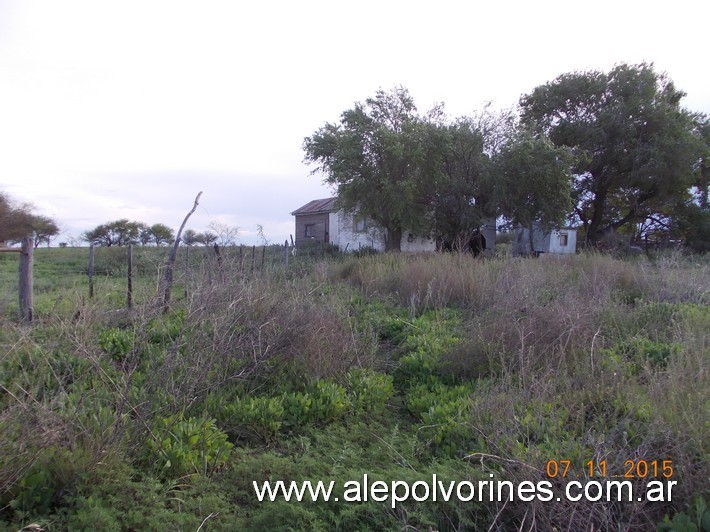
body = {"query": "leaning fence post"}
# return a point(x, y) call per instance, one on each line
point(26, 307)
point(91, 271)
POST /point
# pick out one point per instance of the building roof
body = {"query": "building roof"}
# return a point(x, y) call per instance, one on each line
point(317, 206)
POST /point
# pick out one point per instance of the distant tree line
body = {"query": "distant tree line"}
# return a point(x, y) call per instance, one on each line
point(609, 152)
point(124, 232)
point(18, 221)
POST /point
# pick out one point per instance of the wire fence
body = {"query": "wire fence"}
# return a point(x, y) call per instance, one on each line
point(72, 268)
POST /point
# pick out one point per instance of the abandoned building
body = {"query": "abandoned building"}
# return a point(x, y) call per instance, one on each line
point(321, 221)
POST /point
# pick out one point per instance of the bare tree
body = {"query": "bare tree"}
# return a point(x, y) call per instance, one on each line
point(168, 279)
point(227, 234)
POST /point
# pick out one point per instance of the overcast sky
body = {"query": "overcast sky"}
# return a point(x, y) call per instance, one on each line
point(128, 108)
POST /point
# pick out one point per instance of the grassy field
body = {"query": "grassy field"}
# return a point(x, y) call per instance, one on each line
point(398, 367)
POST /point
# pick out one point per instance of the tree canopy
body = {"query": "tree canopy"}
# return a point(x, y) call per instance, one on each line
point(190, 237)
point(161, 234)
point(533, 182)
point(405, 170)
point(636, 148)
point(461, 188)
point(374, 156)
point(124, 232)
point(18, 221)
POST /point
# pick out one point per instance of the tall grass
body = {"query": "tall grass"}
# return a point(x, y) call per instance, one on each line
point(580, 358)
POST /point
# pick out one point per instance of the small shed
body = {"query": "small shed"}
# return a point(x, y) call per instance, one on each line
point(313, 221)
point(554, 241)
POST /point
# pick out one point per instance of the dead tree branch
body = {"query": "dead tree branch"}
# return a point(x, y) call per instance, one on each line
point(168, 279)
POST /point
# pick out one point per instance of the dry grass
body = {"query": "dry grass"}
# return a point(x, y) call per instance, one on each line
point(537, 335)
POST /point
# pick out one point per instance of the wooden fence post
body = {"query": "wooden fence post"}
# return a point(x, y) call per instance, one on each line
point(208, 265)
point(286, 253)
point(263, 255)
point(26, 307)
point(220, 271)
point(91, 271)
point(253, 257)
point(129, 294)
point(187, 269)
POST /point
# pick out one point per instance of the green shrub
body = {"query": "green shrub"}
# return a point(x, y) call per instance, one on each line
point(369, 391)
point(633, 354)
point(260, 415)
point(322, 403)
point(185, 446)
point(166, 329)
point(298, 408)
point(116, 342)
point(697, 519)
point(443, 411)
point(330, 401)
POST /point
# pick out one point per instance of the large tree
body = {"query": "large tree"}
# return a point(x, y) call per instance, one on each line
point(162, 234)
point(532, 182)
point(374, 157)
point(461, 191)
point(634, 144)
point(18, 221)
point(44, 229)
point(117, 233)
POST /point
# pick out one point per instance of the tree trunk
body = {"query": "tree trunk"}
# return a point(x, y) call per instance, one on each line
point(531, 239)
point(168, 278)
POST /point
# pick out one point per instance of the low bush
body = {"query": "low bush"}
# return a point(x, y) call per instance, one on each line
point(186, 446)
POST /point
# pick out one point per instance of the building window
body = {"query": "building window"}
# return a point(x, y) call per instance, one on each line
point(310, 230)
point(360, 224)
point(563, 239)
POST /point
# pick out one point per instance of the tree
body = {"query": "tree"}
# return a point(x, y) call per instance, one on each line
point(374, 156)
point(17, 221)
point(533, 182)
point(634, 144)
point(162, 234)
point(207, 238)
point(227, 234)
point(117, 233)
point(461, 188)
point(190, 237)
point(43, 229)
point(145, 236)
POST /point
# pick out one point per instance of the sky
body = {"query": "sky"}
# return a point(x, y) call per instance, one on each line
point(129, 108)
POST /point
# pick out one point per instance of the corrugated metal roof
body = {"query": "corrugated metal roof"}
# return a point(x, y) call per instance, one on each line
point(317, 206)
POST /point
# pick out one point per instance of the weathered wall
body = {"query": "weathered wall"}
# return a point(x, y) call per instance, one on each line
point(321, 229)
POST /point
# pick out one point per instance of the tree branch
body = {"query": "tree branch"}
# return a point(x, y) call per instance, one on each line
point(168, 279)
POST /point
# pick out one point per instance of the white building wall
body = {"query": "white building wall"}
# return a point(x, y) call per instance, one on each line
point(550, 242)
point(412, 244)
point(342, 234)
point(556, 241)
